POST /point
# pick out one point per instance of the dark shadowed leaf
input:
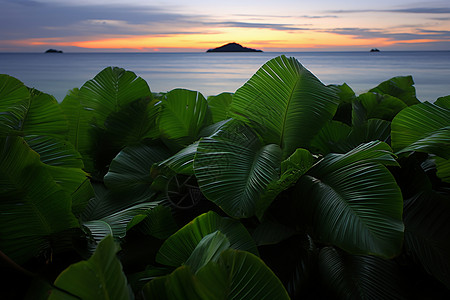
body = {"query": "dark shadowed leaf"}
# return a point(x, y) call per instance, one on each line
point(359, 277)
point(100, 277)
point(353, 201)
point(33, 205)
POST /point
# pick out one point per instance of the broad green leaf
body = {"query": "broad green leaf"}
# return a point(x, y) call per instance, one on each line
point(377, 106)
point(98, 230)
point(119, 220)
point(79, 124)
point(336, 137)
point(236, 275)
point(33, 206)
point(292, 169)
point(100, 277)
point(158, 222)
point(107, 202)
point(75, 182)
point(285, 103)
point(181, 284)
point(353, 201)
point(346, 97)
point(443, 168)
point(219, 106)
point(25, 113)
point(130, 169)
point(360, 277)
point(234, 169)
point(177, 249)
point(425, 128)
point(247, 277)
point(401, 87)
point(331, 138)
point(181, 162)
point(183, 114)
point(55, 151)
point(443, 102)
point(133, 122)
point(14, 97)
point(427, 229)
point(111, 90)
point(42, 116)
point(208, 249)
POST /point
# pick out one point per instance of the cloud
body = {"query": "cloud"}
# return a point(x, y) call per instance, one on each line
point(275, 26)
point(417, 34)
point(412, 10)
point(20, 21)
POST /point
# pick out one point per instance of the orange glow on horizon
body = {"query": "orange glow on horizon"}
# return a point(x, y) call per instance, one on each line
point(259, 38)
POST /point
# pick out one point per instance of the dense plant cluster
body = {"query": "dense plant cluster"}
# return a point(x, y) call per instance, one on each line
point(287, 188)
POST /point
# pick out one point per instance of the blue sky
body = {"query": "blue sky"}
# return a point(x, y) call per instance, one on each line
point(197, 25)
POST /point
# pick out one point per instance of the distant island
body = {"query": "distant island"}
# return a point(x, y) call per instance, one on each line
point(233, 47)
point(53, 51)
point(374, 50)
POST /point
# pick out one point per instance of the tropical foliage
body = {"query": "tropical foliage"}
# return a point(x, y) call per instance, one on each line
point(285, 189)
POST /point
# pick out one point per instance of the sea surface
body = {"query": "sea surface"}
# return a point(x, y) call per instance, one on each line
point(213, 73)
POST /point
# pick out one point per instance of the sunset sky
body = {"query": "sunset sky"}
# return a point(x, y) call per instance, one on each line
point(197, 25)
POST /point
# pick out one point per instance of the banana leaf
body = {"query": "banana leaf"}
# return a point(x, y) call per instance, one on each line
point(234, 168)
point(100, 277)
point(177, 249)
point(360, 277)
point(33, 207)
point(424, 127)
point(285, 103)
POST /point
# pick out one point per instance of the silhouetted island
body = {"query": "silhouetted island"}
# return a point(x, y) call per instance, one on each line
point(53, 51)
point(233, 47)
point(374, 50)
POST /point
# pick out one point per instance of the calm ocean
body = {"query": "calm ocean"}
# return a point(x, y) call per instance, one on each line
point(213, 73)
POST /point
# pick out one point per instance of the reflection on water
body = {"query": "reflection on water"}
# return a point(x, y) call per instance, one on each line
point(213, 73)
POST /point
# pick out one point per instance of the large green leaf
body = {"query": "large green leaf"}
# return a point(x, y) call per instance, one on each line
point(337, 137)
point(219, 106)
point(292, 169)
point(208, 249)
point(100, 277)
point(79, 120)
point(443, 168)
point(33, 206)
point(183, 114)
point(233, 169)
point(242, 276)
point(373, 105)
point(55, 151)
point(111, 90)
point(286, 104)
point(119, 221)
point(443, 102)
point(14, 97)
point(130, 169)
point(360, 277)
point(177, 249)
point(401, 87)
point(235, 275)
point(353, 201)
point(424, 127)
